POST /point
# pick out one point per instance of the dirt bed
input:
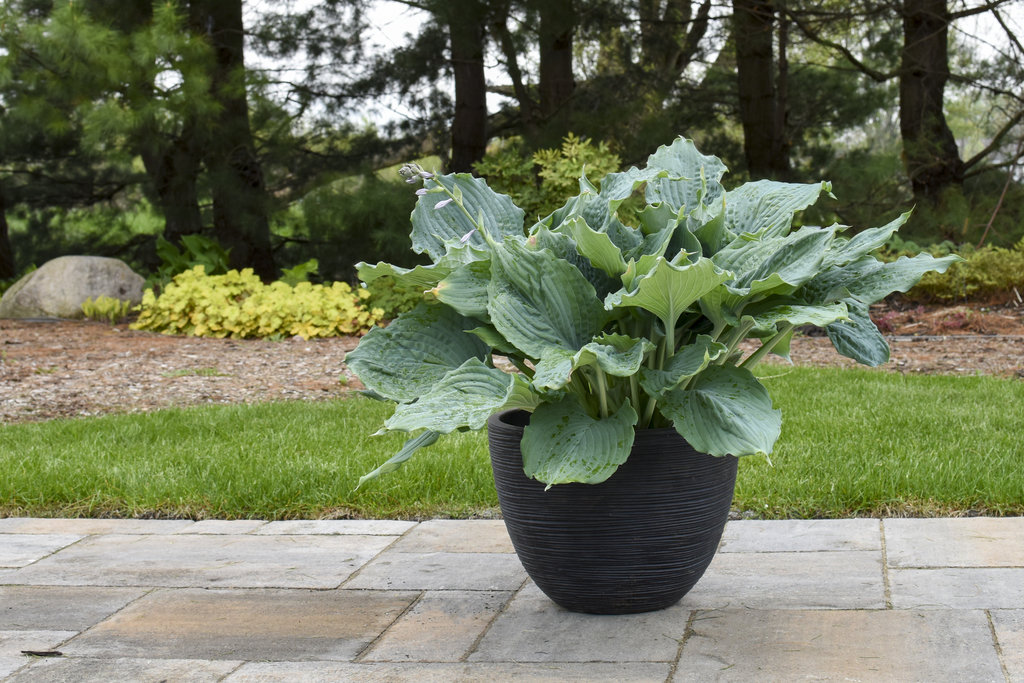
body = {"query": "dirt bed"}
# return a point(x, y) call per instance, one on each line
point(67, 369)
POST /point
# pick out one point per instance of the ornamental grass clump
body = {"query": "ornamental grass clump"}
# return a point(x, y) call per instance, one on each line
point(614, 327)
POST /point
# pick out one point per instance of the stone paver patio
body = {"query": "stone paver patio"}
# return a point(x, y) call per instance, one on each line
point(444, 600)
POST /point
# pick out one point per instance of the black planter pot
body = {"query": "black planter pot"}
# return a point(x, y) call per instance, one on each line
point(634, 543)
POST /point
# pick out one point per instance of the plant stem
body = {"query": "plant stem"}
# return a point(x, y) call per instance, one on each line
point(738, 335)
point(766, 348)
point(602, 391)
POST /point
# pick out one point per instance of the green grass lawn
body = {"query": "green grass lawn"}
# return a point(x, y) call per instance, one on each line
point(854, 442)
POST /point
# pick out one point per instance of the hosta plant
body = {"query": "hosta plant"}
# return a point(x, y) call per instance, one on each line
point(600, 328)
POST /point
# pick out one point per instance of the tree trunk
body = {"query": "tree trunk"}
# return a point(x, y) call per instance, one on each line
point(236, 178)
point(7, 269)
point(465, 19)
point(753, 22)
point(930, 154)
point(557, 25)
point(173, 172)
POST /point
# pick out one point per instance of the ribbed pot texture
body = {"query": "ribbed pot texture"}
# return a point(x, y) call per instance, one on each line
point(634, 543)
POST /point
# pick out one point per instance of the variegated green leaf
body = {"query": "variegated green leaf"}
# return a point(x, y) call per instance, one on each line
point(403, 360)
point(863, 243)
point(725, 411)
point(564, 444)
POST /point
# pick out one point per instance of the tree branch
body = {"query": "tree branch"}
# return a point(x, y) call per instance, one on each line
point(996, 139)
point(981, 9)
point(873, 74)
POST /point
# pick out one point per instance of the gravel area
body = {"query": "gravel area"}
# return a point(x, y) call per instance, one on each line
point(53, 369)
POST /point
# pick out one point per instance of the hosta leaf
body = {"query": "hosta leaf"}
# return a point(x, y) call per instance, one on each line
point(797, 314)
point(858, 338)
point(490, 336)
point(796, 260)
point(539, 302)
point(564, 247)
point(596, 246)
point(408, 450)
point(554, 369)
point(433, 229)
point(687, 362)
point(465, 289)
point(863, 242)
point(403, 360)
point(689, 173)
point(564, 444)
point(615, 354)
point(668, 290)
point(726, 411)
point(766, 207)
point(616, 187)
point(465, 397)
point(897, 276)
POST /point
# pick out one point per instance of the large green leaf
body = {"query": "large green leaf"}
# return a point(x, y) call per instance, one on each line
point(554, 369)
point(465, 289)
point(405, 359)
point(693, 177)
point(797, 314)
point(796, 260)
point(408, 450)
point(766, 207)
point(422, 277)
point(564, 444)
point(869, 280)
point(465, 397)
point(615, 354)
point(668, 290)
point(539, 302)
point(725, 411)
point(687, 362)
point(858, 338)
point(598, 247)
point(897, 276)
point(864, 242)
point(435, 227)
point(564, 247)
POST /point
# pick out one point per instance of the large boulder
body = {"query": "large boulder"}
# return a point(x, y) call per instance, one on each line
point(58, 288)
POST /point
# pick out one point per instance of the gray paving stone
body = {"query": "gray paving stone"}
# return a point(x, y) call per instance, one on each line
point(19, 550)
point(801, 535)
point(13, 642)
point(60, 608)
point(87, 670)
point(289, 672)
point(832, 645)
point(957, 588)
point(9, 665)
point(534, 629)
point(284, 625)
point(215, 561)
point(367, 527)
point(27, 525)
point(223, 526)
point(457, 536)
point(442, 571)
point(441, 627)
point(804, 580)
point(1009, 628)
point(960, 542)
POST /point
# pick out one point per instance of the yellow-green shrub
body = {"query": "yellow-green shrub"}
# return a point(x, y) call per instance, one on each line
point(239, 304)
point(985, 274)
